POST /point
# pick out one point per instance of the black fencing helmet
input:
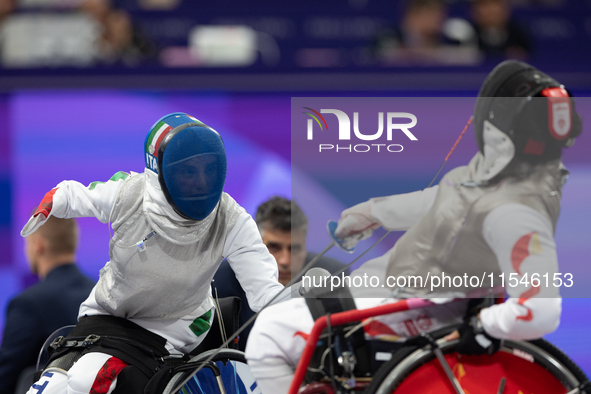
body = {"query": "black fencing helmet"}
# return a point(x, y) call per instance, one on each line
point(533, 109)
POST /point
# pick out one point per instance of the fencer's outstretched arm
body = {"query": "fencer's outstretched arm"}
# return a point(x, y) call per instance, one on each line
point(397, 212)
point(71, 199)
point(254, 266)
point(522, 240)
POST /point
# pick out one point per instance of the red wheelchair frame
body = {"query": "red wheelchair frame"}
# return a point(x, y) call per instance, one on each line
point(343, 318)
point(544, 353)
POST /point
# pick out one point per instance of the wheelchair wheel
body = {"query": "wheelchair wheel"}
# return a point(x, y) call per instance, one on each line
point(234, 375)
point(520, 367)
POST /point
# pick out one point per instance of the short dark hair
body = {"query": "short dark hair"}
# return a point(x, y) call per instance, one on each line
point(280, 213)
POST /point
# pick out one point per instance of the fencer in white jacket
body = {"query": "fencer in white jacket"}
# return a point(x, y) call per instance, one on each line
point(172, 227)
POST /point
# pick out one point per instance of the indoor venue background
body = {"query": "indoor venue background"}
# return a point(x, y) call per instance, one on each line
point(82, 82)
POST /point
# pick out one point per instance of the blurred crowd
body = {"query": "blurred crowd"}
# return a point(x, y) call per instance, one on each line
point(90, 33)
point(70, 33)
point(426, 35)
point(120, 40)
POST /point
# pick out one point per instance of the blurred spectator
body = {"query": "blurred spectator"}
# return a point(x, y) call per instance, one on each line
point(283, 227)
point(40, 39)
point(6, 8)
point(33, 315)
point(499, 36)
point(121, 42)
point(97, 34)
point(426, 36)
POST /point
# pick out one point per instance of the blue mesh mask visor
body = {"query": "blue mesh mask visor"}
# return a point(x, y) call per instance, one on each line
point(192, 170)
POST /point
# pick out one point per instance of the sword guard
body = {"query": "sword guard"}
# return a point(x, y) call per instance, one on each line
point(331, 226)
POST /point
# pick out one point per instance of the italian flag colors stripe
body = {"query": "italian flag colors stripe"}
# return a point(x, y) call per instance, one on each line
point(156, 136)
point(159, 137)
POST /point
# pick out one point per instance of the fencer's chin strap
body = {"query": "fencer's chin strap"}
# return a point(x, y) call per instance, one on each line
point(499, 150)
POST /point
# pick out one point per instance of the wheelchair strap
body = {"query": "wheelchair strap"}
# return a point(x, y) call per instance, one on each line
point(106, 325)
point(111, 335)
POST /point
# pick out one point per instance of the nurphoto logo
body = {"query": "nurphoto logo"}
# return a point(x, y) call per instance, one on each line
point(393, 124)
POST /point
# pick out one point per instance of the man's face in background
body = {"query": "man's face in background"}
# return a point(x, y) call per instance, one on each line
point(288, 248)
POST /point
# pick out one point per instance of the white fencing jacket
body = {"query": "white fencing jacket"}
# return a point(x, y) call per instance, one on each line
point(163, 283)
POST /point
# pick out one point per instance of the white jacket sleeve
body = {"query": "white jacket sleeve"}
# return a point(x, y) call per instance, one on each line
point(71, 199)
point(255, 268)
point(522, 240)
point(401, 211)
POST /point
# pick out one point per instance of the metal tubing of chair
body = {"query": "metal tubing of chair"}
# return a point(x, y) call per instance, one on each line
point(343, 318)
point(448, 371)
point(501, 386)
point(218, 375)
point(220, 384)
point(574, 391)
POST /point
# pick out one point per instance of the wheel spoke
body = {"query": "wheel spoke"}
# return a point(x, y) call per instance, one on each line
point(501, 386)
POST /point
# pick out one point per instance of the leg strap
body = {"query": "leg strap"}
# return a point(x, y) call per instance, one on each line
point(115, 336)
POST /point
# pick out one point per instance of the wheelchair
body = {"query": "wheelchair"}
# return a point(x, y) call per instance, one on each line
point(423, 364)
point(226, 373)
point(519, 366)
point(429, 364)
point(426, 364)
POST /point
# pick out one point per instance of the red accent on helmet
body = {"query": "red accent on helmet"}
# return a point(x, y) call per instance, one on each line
point(559, 112)
point(555, 92)
point(534, 147)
